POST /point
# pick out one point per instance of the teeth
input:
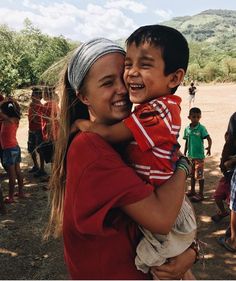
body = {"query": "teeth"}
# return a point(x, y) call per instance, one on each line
point(137, 86)
point(120, 103)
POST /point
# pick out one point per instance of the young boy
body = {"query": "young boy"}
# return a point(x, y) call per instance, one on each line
point(155, 65)
point(49, 124)
point(194, 135)
point(35, 137)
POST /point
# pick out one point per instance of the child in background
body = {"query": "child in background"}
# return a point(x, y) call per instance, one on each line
point(222, 192)
point(10, 114)
point(155, 65)
point(192, 91)
point(49, 123)
point(194, 136)
point(1, 99)
point(35, 137)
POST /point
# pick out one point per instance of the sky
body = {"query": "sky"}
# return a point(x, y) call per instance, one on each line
point(114, 19)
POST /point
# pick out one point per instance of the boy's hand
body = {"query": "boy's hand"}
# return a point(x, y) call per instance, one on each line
point(80, 124)
point(208, 149)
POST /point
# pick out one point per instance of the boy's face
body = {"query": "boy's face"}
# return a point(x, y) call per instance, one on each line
point(195, 118)
point(144, 73)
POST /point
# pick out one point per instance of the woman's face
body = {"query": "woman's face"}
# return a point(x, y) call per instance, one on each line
point(104, 92)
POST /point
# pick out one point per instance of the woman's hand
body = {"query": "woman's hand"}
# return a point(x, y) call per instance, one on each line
point(176, 267)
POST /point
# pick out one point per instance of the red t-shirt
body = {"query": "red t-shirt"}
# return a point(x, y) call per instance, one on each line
point(99, 239)
point(8, 134)
point(49, 120)
point(35, 116)
point(155, 127)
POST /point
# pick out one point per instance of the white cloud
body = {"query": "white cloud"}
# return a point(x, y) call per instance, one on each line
point(73, 22)
point(164, 14)
point(133, 6)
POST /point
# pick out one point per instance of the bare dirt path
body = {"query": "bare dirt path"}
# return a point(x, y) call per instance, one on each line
point(23, 254)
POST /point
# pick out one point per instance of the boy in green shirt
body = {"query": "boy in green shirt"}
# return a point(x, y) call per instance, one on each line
point(194, 135)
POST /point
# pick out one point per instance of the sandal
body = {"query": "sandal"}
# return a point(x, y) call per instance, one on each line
point(190, 193)
point(9, 200)
point(224, 242)
point(218, 217)
point(197, 198)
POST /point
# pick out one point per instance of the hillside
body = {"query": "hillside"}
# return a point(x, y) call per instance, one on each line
point(213, 26)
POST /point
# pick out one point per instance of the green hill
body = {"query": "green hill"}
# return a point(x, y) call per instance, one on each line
point(213, 26)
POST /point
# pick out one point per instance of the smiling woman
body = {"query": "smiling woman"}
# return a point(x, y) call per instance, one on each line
point(96, 199)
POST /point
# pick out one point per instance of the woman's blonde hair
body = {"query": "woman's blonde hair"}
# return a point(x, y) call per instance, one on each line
point(71, 109)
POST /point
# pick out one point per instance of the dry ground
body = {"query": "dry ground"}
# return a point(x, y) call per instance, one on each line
point(23, 254)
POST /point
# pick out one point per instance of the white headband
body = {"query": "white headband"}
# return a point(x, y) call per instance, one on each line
point(86, 55)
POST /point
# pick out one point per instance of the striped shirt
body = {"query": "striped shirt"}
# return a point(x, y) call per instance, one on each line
point(233, 192)
point(155, 127)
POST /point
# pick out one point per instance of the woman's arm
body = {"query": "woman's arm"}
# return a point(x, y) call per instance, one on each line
point(159, 211)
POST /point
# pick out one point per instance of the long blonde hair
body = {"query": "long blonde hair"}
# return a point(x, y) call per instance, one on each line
point(71, 109)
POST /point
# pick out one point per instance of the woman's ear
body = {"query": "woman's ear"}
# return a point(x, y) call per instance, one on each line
point(176, 78)
point(82, 98)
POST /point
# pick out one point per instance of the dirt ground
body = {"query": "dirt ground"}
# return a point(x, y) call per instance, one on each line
point(23, 254)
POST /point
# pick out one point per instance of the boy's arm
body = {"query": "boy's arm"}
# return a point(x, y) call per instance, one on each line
point(208, 149)
point(113, 134)
point(186, 147)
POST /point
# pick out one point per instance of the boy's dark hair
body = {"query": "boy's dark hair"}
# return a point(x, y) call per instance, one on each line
point(36, 91)
point(195, 110)
point(173, 45)
point(11, 109)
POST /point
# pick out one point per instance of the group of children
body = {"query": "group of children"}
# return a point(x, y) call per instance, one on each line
point(43, 127)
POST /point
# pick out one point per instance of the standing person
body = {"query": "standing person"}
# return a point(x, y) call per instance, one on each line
point(1, 100)
point(222, 192)
point(49, 124)
point(192, 91)
point(100, 207)
point(194, 135)
point(10, 114)
point(35, 137)
point(229, 149)
point(155, 65)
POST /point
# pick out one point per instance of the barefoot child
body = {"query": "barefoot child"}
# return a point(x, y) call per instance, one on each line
point(10, 114)
point(155, 65)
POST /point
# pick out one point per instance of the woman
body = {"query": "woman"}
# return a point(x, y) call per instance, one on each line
point(96, 198)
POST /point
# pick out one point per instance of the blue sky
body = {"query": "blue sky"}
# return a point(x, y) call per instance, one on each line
point(114, 19)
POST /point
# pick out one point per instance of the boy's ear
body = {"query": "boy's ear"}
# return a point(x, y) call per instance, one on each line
point(176, 78)
point(82, 98)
